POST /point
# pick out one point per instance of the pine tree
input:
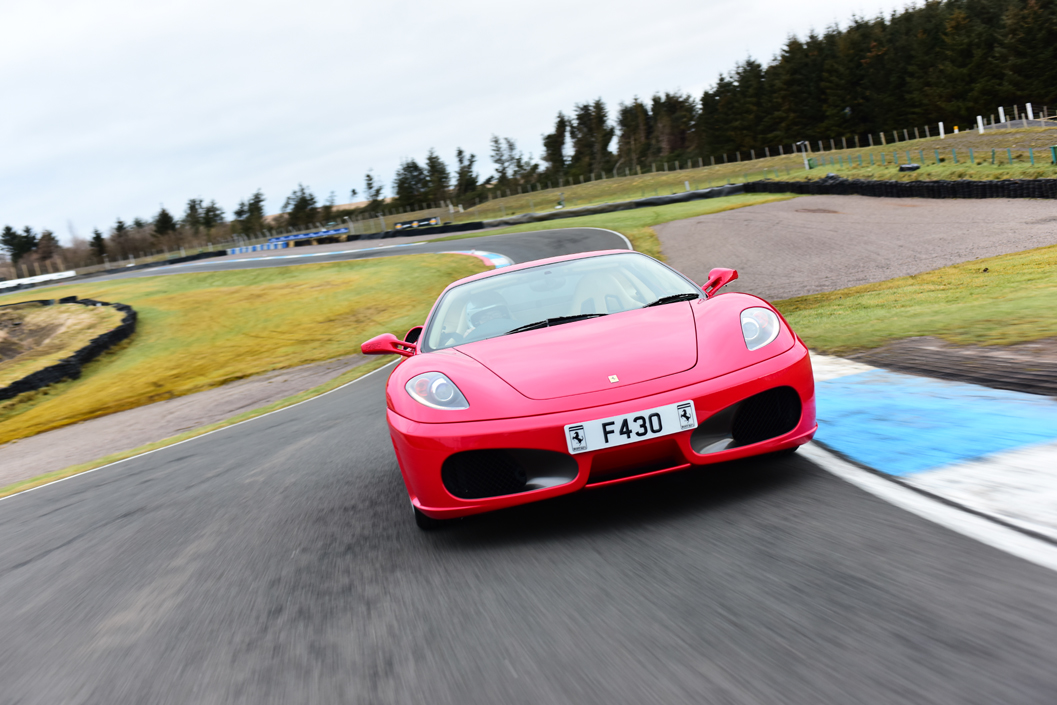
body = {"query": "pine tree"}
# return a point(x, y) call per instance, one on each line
point(372, 190)
point(554, 148)
point(410, 185)
point(212, 216)
point(466, 179)
point(18, 244)
point(635, 144)
point(164, 223)
point(192, 219)
point(327, 211)
point(511, 165)
point(672, 119)
point(591, 134)
point(254, 219)
point(47, 246)
point(98, 244)
point(438, 178)
point(300, 208)
point(1029, 51)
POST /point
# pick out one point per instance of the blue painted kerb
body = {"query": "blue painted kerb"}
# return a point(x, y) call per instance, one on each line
point(901, 424)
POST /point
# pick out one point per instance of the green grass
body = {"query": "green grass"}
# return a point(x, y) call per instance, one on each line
point(637, 225)
point(197, 331)
point(980, 169)
point(1012, 302)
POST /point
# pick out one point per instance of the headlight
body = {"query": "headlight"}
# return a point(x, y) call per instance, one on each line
point(759, 326)
point(436, 391)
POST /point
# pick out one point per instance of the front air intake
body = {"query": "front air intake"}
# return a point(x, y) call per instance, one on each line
point(493, 472)
point(766, 415)
point(762, 416)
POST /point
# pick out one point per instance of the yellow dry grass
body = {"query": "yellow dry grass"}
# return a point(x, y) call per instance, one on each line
point(33, 337)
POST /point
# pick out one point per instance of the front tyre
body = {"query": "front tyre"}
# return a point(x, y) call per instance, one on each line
point(427, 523)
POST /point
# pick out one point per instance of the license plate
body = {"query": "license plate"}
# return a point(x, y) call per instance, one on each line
point(630, 428)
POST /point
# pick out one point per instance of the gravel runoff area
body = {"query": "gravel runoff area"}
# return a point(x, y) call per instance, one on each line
point(96, 438)
point(812, 244)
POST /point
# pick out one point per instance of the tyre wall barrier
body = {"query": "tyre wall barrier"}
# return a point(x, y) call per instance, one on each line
point(19, 283)
point(835, 185)
point(246, 249)
point(70, 367)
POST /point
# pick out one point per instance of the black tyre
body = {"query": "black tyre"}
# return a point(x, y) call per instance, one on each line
point(427, 523)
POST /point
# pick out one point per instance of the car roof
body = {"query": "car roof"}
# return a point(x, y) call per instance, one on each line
point(537, 263)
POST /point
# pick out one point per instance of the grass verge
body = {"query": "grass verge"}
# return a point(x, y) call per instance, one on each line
point(994, 301)
point(333, 384)
point(200, 330)
point(637, 225)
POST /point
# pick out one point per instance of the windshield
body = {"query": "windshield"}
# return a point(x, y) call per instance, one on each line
point(601, 285)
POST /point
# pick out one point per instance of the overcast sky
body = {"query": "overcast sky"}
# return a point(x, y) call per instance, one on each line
point(112, 108)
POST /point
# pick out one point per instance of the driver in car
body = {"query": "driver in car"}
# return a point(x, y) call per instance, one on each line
point(487, 314)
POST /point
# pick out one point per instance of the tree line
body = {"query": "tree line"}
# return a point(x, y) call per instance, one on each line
point(943, 60)
point(946, 60)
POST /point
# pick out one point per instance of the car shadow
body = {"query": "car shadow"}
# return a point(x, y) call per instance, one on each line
point(642, 502)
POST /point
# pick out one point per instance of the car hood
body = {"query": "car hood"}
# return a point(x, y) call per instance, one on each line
point(580, 357)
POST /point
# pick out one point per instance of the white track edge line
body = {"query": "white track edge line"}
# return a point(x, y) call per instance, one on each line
point(591, 227)
point(975, 527)
point(188, 440)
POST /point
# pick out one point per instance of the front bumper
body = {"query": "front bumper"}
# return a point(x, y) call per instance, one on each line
point(421, 449)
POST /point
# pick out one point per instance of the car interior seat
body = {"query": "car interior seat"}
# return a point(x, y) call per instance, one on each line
point(600, 293)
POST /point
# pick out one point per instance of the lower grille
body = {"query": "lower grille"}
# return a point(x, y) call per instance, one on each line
point(493, 472)
point(762, 416)
point(766, 415)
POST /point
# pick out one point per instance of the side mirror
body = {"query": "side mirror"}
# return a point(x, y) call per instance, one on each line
point(388, 344)
point(412, 335)
point(717, 279)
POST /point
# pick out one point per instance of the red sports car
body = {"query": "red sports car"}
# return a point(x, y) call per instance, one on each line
point(553, 376)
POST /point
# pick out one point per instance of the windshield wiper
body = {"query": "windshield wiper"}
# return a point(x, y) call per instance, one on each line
point(553, 321)
point(673, 298)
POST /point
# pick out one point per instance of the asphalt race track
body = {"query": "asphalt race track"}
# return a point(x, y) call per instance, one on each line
point(516, 246)
point(277, 561)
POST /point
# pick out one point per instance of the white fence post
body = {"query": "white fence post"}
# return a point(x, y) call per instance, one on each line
point(980, 123)
point(942, 133)
point(1001, 114)
point(1031, 113)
